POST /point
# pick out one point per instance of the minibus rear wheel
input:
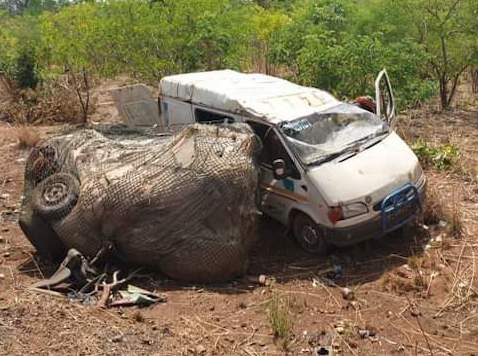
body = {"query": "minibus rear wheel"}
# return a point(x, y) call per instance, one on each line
point(308, 234)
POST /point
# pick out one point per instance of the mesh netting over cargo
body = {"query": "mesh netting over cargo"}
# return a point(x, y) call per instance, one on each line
point(184, 204)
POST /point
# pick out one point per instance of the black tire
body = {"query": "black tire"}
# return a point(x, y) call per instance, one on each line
point(55, 197)
point(309, 235)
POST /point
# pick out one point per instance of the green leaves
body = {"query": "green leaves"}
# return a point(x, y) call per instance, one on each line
point(337, 45)
point(442, 157)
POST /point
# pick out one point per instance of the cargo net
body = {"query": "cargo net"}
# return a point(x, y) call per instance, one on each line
point(184, 204)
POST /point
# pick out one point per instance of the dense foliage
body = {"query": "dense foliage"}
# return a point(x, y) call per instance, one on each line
point(337, 45)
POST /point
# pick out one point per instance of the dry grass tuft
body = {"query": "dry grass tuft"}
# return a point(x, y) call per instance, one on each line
point(278, 312)
point(138, 317)
point(391, 282)
point(27, 137)
point(415, 262)
point(434, 210)
point(454, 218)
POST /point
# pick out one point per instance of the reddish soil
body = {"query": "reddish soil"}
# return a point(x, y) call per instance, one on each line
point(415, 294)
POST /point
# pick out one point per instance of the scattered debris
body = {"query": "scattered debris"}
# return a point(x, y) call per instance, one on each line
point(367, 332)
point(262, 279)
point(415, 312)
point(336, 273)
point(91, 287)
point(340, 327)
point(435, 242)
point(200, 350)
point(324, 350)
point(136, 296)
point(348, 294)
point(442, 224)
point(117, 338)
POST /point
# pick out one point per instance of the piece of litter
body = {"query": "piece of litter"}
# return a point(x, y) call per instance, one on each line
point(261, 279)
point(364, 333)
point(348, 294)
point(117, 338)
point(324, 350)
point(136, 296)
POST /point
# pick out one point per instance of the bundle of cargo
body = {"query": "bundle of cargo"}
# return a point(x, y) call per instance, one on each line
point(184, 204)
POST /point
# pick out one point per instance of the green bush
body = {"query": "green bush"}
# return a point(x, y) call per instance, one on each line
point(442, 157)
point(25, 74)
point(336, 45)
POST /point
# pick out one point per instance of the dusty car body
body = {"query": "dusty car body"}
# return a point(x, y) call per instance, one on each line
point(331, 171)
point(184, 204)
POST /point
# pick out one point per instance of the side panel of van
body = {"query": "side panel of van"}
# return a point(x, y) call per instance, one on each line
point(175, 114)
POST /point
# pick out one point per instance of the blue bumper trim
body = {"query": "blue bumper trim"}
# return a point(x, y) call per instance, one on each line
point(400, 207)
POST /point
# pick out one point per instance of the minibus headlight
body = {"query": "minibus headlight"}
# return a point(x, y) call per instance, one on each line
point(343, 212)
point(354, 209)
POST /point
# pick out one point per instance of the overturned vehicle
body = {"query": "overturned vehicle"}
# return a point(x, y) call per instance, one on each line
point(184, 204)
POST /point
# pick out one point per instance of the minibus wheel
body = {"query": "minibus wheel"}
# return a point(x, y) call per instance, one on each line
point(308, 234)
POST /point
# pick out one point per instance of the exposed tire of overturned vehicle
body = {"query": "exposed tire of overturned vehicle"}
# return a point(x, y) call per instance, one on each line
point(184, 204)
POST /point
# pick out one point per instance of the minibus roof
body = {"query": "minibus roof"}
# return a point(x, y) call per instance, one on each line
point(262, 96)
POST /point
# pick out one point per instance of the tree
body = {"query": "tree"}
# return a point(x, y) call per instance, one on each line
point(446, 30)
point(266, 23)
point(19, 7)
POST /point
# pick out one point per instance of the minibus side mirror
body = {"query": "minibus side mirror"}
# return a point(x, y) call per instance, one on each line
point(279, 168)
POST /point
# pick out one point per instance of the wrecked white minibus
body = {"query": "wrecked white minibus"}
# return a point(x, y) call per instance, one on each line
point(331, 171)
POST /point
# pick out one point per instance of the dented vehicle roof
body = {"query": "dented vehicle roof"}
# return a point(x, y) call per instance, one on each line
point(262, 96)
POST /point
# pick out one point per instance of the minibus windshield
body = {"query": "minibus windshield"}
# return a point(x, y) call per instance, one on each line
point(327, 134)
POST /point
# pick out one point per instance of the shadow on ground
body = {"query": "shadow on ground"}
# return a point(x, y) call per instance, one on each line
point(276, 255)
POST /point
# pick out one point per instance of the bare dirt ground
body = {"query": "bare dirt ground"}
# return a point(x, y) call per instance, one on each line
point(414, 292)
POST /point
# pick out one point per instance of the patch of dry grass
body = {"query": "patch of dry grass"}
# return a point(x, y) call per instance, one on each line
point(438, 209)
point(434, 210)
point(53, 101)
point(454, 218)
point(27, 136)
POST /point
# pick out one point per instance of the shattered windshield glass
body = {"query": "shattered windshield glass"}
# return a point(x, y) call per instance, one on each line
point(327, 134)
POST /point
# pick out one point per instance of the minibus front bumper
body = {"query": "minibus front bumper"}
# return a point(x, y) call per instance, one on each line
point(392, 216)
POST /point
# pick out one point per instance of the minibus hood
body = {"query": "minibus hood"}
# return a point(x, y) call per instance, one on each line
point(368, 176)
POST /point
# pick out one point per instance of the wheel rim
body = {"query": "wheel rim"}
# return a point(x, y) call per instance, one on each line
point(55, 193)
point(310, 236)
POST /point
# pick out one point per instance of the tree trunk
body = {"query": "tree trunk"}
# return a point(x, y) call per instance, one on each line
point(82, 90)
point(444, 92)
point(474, 80)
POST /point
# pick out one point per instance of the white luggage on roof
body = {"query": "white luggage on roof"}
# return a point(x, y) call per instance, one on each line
point(260, 95)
